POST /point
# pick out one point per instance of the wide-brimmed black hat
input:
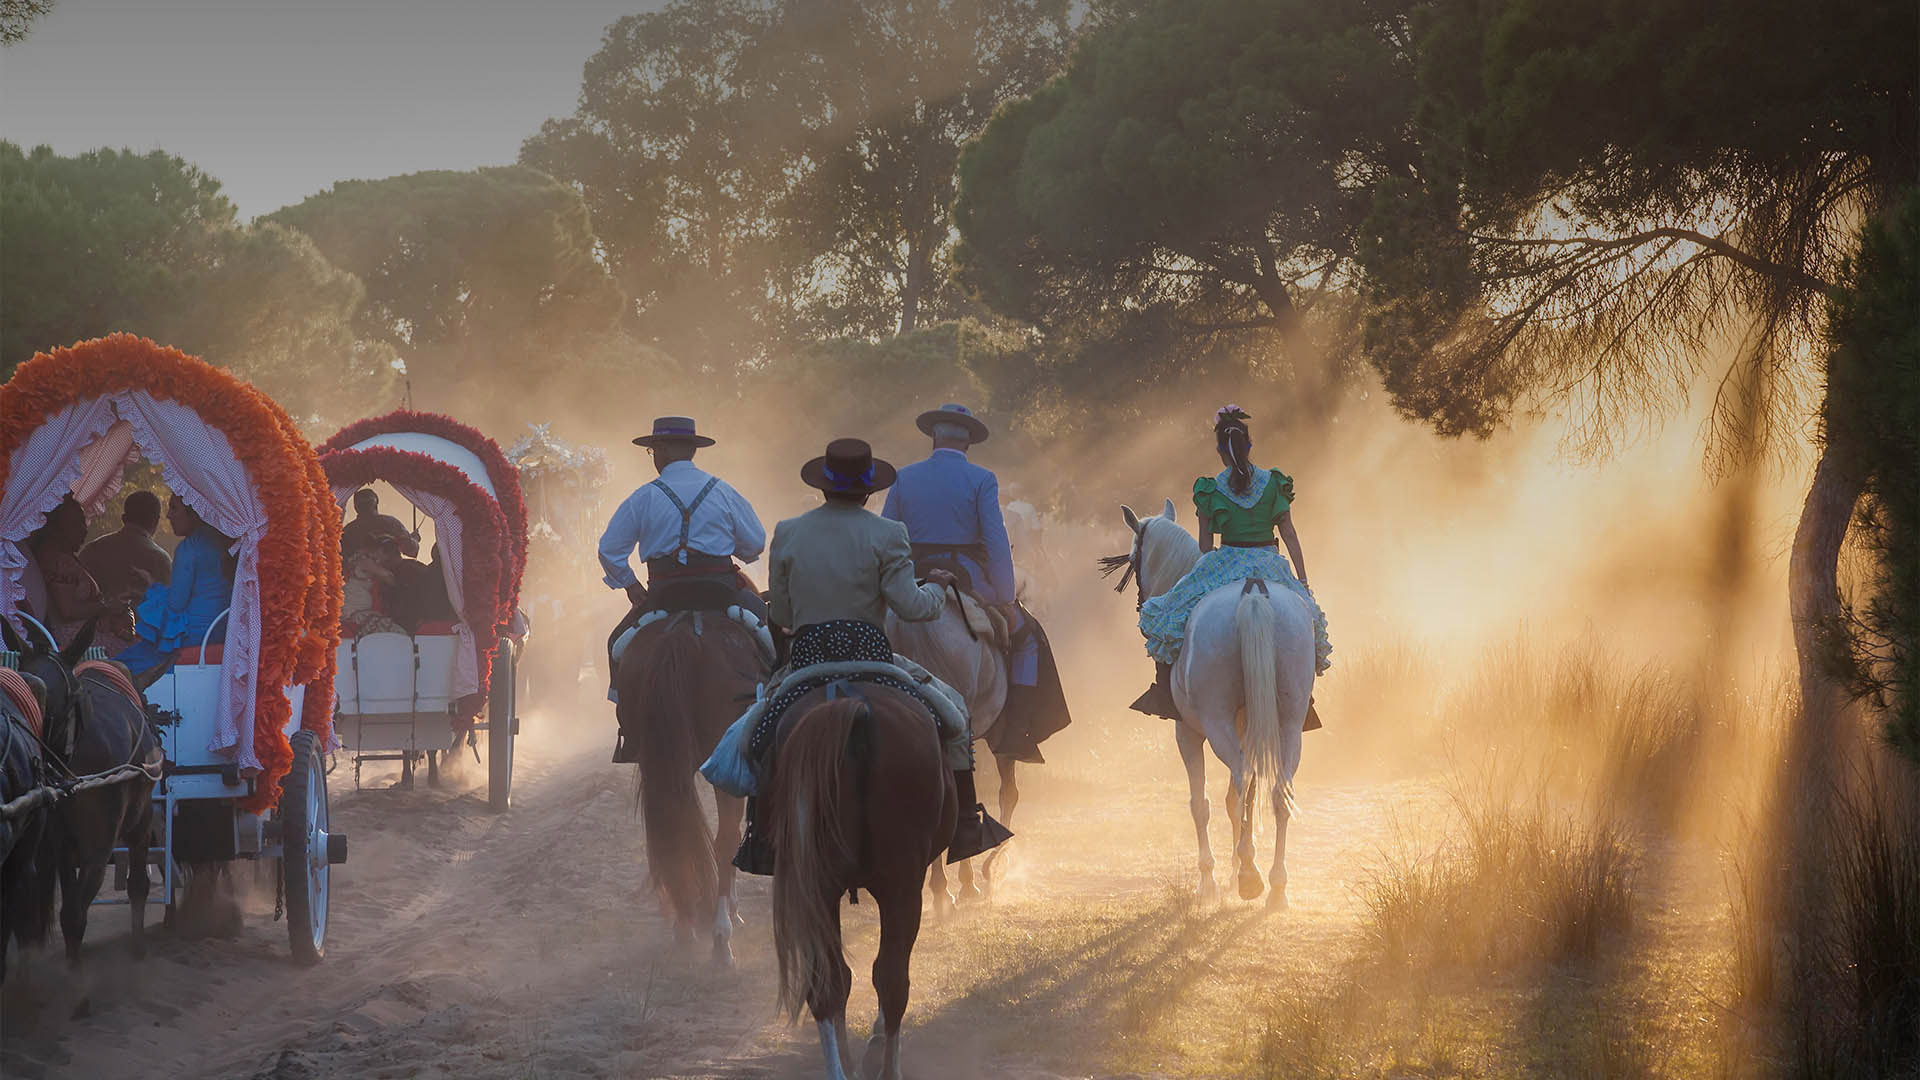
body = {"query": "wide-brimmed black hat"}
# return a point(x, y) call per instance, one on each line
point(848, 468)
point(958, 415)
point(673, 429)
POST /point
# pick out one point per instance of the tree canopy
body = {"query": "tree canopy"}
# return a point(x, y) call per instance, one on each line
point(1872, 418)
point(1199, 168)
point(762, 171)
point(462, 266)
point(113, 240)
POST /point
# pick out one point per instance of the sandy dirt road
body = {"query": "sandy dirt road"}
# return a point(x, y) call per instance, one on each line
point(528, 944)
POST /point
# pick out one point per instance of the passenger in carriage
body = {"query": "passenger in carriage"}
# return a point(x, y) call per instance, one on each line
point(369, 525)
point(419, 593)
point(73, 598)
point(179, 614)
point(370, 580)
point(127, 562)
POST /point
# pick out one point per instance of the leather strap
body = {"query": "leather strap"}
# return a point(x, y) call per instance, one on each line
point(681, 552)
point(14, 685)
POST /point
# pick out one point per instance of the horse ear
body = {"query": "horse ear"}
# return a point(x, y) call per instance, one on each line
point(1168, 512)
point(39, 642)
point(1132, 519)
point(76, 649)
point(11, 639)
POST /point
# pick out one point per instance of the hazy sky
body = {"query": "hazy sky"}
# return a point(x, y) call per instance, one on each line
point(279, 98)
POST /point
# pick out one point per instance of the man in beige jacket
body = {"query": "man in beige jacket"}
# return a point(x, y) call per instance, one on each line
point(833, 574)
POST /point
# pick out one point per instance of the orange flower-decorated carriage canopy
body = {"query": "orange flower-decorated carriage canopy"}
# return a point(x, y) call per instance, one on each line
point(71, 418)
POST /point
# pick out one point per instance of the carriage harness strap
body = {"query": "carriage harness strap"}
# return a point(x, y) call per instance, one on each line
point(14, 685)
point(681, 552)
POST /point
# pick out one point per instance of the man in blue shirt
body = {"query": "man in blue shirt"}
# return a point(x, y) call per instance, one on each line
point(951, 508)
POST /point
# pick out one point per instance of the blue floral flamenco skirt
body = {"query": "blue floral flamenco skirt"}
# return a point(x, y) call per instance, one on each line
point(1163, 619)
point(164, 631)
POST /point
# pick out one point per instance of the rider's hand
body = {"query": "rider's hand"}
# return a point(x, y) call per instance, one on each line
point(636, 594)
point(942, 578)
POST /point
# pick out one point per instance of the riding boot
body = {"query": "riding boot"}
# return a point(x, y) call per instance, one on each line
point(1158, 700)
point(756, 854)
point(976, 830)
point(1313, 718)
point(625, 751)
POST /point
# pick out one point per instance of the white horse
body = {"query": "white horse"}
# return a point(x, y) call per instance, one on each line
point(1242, 684)
point(965, 647)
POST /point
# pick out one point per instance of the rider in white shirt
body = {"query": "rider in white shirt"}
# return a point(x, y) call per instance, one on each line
point(689, 528)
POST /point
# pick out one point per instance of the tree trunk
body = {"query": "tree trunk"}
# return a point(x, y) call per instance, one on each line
point(1813, 585)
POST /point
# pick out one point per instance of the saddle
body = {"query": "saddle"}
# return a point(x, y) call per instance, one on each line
point(733, 769)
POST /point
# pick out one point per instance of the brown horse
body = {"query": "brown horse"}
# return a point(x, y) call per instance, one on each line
point(681, 682)
point(91, 728)
point(860, 797)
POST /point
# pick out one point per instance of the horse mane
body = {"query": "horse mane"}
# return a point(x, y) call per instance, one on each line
point(1163, 553)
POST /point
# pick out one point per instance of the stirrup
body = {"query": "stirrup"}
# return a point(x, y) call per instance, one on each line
point(987, 834)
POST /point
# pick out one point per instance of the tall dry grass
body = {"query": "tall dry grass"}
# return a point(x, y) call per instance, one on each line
point(1826, 929)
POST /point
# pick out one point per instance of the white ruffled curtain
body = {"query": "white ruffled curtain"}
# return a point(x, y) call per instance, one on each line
point(68, 455)
point(446, 533)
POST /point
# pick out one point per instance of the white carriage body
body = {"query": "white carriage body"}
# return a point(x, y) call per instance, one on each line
point(393, 692)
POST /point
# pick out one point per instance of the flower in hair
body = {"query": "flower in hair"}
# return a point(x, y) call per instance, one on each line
point(1229, 412)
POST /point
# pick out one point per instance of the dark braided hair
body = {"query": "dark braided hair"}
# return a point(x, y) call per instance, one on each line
point(1236, 442)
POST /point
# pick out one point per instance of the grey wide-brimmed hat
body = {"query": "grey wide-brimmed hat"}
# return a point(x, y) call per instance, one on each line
point(848, 468)
point(957, 415)
point(673, 429)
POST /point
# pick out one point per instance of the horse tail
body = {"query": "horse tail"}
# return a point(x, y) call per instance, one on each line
point(1260, 744)
point(663, 686)
point(812, 811)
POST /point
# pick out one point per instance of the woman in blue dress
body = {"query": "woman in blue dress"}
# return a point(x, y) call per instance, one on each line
point(1244, 506)
point(178, 614)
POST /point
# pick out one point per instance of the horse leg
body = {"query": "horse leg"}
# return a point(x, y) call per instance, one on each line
point(899, 929)
point(726, 839)
point(943, 902)
point(1246, 867)
point(1009, 790)
point(969, 888)
point(78, 886)
point(1193, 747)
point(830, 1014)
point(1278, 877)
point(138, 839)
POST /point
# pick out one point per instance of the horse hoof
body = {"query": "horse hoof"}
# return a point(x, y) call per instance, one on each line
point(1277, 899)
point(1251, 886)
point(874, 1061)
point(1208, 892)
point(722, 956)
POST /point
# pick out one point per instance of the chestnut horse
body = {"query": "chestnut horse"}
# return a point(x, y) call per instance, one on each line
point(91, 728)
point(681, 682)
point(860, 797)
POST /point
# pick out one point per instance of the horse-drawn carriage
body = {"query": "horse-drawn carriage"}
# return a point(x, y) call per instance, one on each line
point(244, 722)
point(414, 691)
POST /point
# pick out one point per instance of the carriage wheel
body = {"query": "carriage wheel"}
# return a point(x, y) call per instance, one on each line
point(307, 849)
point(500, 725)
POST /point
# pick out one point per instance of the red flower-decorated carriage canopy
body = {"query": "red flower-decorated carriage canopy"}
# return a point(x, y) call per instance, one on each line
point(70, 419)
point(460, 479)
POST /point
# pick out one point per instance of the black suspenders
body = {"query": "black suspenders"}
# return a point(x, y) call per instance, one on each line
point(686, 512)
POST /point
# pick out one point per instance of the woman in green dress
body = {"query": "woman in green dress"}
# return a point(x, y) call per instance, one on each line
point(1244, 506)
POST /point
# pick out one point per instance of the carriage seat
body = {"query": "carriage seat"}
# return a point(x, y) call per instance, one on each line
point(434, 628)
point(191, 656)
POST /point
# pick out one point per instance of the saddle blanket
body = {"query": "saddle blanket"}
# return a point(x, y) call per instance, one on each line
point(730, 769)
point(762, 636)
